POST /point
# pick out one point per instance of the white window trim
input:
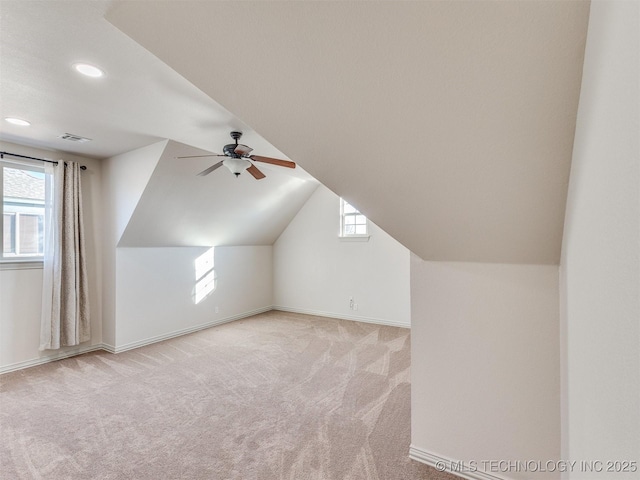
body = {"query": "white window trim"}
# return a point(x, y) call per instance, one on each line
point(355, 238)
point(21, 264)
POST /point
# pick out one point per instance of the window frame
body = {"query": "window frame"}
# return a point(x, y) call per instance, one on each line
point(352, 236)
point(23, 261)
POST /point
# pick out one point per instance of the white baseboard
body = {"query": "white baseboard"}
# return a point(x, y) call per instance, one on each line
point(185, 331)
point(444, 464)
point(159, 338)
point(12, 367)
point(129, 346)
point(108, 348)
point(341, 316)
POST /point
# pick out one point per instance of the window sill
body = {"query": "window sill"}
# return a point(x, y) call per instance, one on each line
point(355, 238)
point(21, 264)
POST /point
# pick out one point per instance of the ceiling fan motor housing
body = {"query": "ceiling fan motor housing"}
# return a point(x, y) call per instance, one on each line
point(229, 150)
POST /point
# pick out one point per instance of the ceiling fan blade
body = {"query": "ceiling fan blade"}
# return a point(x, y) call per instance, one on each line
point(210, 169)
point(274, 161)
point(201, 156)
point(257, 174)
point(243, 150)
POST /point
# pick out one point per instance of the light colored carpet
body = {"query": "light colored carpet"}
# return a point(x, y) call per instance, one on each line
point(275, 396)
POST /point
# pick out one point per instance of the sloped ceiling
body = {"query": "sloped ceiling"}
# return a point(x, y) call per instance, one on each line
point(139, 101)
point(129, 113)
point(449, 123)
point(179, 208)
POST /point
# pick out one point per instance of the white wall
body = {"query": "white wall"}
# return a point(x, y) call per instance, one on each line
point(125, 177)
point(148, 291)
point(155, 290)
point(21, 289)
point(485, 373)
point(316, 272)
point(600, 268)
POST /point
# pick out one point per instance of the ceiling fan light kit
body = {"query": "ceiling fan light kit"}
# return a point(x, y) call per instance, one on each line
point(236, 165)
point(238, 159)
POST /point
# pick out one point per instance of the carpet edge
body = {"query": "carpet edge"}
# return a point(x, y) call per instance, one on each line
point(33, 362)
point(115, 349)
point(355, 318)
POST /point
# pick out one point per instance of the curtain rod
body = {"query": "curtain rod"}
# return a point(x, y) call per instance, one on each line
point(2, 154)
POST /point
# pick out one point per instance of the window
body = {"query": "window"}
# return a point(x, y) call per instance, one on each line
point(23, 211)
point(352, 222)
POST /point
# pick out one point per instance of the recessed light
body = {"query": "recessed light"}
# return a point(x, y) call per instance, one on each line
point(88, 70)
point(17, 121)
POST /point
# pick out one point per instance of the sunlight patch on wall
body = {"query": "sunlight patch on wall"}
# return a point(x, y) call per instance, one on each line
point(205, 275)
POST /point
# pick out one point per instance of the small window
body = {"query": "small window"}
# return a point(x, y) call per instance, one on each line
point(23, 211)
point(352, 222)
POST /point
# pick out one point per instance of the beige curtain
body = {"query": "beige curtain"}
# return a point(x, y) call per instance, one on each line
point(65, 305)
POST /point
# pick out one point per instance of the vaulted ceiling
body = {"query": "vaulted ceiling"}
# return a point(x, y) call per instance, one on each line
point(449, 123)
point(179, 208)
point(140, 101)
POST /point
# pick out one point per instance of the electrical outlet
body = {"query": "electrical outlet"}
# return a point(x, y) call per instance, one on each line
point(351, 303)
point(217, 310)
point(355, 306)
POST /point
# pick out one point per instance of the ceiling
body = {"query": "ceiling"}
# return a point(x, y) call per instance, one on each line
point(449, 123)
point(178, 208)
point(139, 101)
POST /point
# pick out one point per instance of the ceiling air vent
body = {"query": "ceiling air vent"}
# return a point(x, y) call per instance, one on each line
point(74, 138)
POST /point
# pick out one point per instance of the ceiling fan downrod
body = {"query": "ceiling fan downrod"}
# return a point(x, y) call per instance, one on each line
point(229, 150)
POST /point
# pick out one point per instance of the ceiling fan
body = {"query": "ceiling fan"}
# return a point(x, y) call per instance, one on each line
point(238, 159)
